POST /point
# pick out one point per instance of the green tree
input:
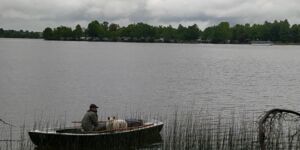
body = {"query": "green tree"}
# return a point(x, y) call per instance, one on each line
point(274, 31)
point(113, 27)
point(63, 33)
point(268, 32)
point(256, 32)
point(192, 33)
point(181, 31)
point(94, 29)
point(113, 31)
point(78, 32)
point(48, 34)
point(295, 33)
point(105, 25)
point(222, 33)
point(1, 32)
point(168, 33)
point(284, 31)
point(140, 31)
point(240, 33)
point(208, 34)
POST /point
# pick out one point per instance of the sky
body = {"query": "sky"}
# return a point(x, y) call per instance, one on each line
point(35, 15)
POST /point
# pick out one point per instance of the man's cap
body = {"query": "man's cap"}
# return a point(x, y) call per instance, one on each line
point(93, 106)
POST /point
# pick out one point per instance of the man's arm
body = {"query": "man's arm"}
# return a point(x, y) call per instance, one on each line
point(94, 119)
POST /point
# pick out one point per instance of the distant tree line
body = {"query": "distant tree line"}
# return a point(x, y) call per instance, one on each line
point(139, 32)
point(278, 31)
point(19, 34)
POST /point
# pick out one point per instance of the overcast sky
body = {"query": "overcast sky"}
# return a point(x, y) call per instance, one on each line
point(38, 14)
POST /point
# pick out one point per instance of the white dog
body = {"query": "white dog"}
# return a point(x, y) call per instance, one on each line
point(114, 124)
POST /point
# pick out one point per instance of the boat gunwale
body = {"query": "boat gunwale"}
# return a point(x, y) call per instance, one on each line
point(52, 131)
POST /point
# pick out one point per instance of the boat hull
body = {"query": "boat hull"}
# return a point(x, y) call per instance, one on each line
point(131, 138)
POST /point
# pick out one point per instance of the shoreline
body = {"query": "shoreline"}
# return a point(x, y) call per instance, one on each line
point(168, 42)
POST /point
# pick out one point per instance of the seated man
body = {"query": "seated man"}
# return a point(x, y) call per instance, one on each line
point(90, 120)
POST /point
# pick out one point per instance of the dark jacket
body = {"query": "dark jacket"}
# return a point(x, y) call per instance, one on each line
point(90, 121)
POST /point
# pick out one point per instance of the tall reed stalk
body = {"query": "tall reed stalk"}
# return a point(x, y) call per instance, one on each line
point(189, 130)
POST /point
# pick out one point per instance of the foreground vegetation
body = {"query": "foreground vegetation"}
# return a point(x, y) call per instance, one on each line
point(278, 32)
point(187, 130)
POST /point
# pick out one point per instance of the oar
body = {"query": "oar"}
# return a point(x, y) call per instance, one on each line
point(80, 121)
point(123, 129)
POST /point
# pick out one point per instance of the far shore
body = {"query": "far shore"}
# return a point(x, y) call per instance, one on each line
point(166, 42)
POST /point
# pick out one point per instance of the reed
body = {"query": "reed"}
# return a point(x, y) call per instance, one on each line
point(186, 130)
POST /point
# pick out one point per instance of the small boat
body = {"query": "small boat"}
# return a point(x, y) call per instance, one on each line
point(133, 135)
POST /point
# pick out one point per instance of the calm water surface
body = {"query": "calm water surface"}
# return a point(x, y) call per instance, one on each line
point(59, 80)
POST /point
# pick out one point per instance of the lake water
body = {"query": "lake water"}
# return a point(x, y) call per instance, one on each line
point(59, 79)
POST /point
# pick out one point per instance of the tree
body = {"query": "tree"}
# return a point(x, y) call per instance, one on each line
point(274, 31)
point(1, 32)
point(63, 32)
point(256, 32)
point(208, 34)
point(94, 29)
point(181, 31)
point(48, 34)
point(295, 33)
point(105, 25)
point(78, 32)
point(240, 33)
point(168, 33)
point(113, 31)
point(140, 31)
point(267, 35)
point(192, 33)
point(113, 27)
point(222, 33)
point(145, 30)
point(284, 31)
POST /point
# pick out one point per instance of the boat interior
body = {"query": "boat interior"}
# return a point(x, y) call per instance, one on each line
point(131, 124)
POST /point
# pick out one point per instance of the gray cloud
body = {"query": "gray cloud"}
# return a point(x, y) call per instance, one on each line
point(37, 14)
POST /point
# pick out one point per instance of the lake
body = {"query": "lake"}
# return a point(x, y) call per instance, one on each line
point(58, 80)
